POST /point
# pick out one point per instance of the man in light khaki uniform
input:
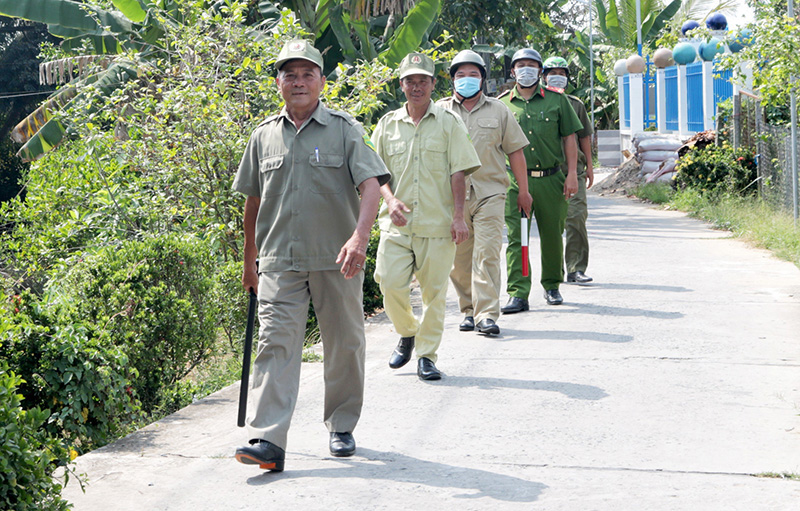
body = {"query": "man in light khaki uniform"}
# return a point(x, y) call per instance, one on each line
point(302, 172)
point(428, 152)
point(495, 134)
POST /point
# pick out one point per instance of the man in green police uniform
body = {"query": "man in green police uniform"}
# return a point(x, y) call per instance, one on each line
point(428, 152)
point(496, 135)
point(576, 252)
point(550, 124)
point(302, 172)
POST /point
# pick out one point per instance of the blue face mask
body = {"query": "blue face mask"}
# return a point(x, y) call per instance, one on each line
point(468, 86)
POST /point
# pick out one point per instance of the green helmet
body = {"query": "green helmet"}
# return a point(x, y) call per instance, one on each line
point(556, 63)
point(467, 57)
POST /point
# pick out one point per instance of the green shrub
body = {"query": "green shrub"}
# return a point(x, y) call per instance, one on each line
point(715, 168)
point(373, 299)
point(83, 382)
point(28, 453)
point(153, 299)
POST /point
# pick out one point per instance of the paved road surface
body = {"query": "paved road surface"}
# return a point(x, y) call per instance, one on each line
point(666, 385)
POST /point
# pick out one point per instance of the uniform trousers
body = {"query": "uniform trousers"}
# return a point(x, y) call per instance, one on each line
point(283, 299)
point(550, 212)
point(476, 272)
point(576, 253)
point(399, 258)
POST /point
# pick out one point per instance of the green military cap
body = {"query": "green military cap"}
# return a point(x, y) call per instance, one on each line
point(298, 49)
point(416, 64)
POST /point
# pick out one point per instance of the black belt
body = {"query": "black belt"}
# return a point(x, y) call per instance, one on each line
point(543, 173)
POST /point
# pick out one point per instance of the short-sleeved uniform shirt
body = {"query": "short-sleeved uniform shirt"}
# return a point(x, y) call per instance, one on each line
point(545, 118)
point(307, 180)
point(421, 160)
point(586, 131)
point(494, 133)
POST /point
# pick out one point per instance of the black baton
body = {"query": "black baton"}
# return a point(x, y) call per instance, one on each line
point(248, 348)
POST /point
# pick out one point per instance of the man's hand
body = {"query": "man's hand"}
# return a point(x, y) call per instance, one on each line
point(571, 185)
point(459, 231)
point(525, 203)
point(352, 255)
point(250, 278)
point(589, 176)
point(396, 209)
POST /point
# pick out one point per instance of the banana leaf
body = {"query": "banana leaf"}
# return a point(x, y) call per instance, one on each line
point(66, 13)
point(410, 33)
point(132, 9)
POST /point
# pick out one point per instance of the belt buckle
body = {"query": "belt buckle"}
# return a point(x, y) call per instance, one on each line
point(537, 173)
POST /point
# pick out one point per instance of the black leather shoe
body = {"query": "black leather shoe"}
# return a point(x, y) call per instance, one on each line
point(426, 370)
point(515, 305)
point(402, 353)
point(553, 297)
point(342, 444)
point(262, 453)
point(578, 277)
point(468, 325)
point(488, 326)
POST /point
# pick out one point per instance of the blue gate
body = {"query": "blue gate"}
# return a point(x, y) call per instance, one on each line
point(650, 87)
point(694, 96)
point(723, 86)
point(671, 91)
point(626, 94)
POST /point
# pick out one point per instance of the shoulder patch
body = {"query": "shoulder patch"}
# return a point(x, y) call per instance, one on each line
point(554, 89)
point(368, 142)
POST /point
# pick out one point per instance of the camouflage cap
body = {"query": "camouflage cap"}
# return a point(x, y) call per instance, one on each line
point(416, 64)
point(298, 49)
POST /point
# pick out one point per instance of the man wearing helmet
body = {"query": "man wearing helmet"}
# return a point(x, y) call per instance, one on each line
point(495, 134)
point(576, 253)
point(550, 123)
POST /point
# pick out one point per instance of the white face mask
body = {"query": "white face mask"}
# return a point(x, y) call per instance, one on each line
point(527, 76)
point(557, 81)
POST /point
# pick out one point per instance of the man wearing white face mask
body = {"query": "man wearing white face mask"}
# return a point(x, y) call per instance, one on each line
point(550, 123)
point(576, 253)
point(495, 134)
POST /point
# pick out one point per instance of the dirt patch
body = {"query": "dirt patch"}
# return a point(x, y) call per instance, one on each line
point(627, 176)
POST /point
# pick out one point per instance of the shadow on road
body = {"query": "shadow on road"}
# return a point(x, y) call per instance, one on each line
point(369, 464)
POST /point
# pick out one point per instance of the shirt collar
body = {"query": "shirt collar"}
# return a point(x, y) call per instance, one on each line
point(320, 114)
point(431, 111)
point(481, 101)
point(539, 90)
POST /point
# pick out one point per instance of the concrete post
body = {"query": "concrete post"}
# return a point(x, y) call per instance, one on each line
point(661, 100)
point(683, 109)
point(708, 96)
point(637, 103)
point(621, 92)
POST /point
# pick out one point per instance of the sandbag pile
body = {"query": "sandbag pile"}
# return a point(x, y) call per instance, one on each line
point(657, 154)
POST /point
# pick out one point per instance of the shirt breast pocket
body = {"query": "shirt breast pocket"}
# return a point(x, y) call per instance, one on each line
point(397, 154)
point(436, 155)
point(488, 131)
point(547, 124)
point(328, 173)
point(273, 179)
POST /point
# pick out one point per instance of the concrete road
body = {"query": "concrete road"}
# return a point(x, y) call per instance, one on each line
point(670, 383)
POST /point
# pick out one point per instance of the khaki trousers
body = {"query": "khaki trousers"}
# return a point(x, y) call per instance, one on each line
point(476, 273)
point(283, 307)
point(399, 258)
point(576, 252)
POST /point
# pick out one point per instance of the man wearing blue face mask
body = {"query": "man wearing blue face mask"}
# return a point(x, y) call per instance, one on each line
point(495, 134)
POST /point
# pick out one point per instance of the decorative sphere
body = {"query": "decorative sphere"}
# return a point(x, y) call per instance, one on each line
point(689, 26)
point(684, 53)
point(743, 38)
point(621, 67)
point(710, 49)
point(663, 58)
point(635, 64)
point(717, 21)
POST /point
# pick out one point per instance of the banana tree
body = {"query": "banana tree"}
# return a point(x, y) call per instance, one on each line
point(617, 20)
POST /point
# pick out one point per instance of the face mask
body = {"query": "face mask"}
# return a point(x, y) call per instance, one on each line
point(468, 86)
point(557, 81)
point(527, 76)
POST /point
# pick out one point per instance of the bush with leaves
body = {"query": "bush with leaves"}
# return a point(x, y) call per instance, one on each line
point(717, 168)
point(28, 453)
point(151, 299)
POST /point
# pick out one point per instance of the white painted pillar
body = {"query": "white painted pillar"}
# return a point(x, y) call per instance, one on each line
point(621, 92)
point(637, 103)
point(661, 100)
point(683, 109)
point(708, 96)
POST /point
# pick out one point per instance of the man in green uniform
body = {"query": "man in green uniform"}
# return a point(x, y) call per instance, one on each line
point(576, 253)
point(495, 135)
point(550, 124)
point(302, 172)
point(428, 152)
